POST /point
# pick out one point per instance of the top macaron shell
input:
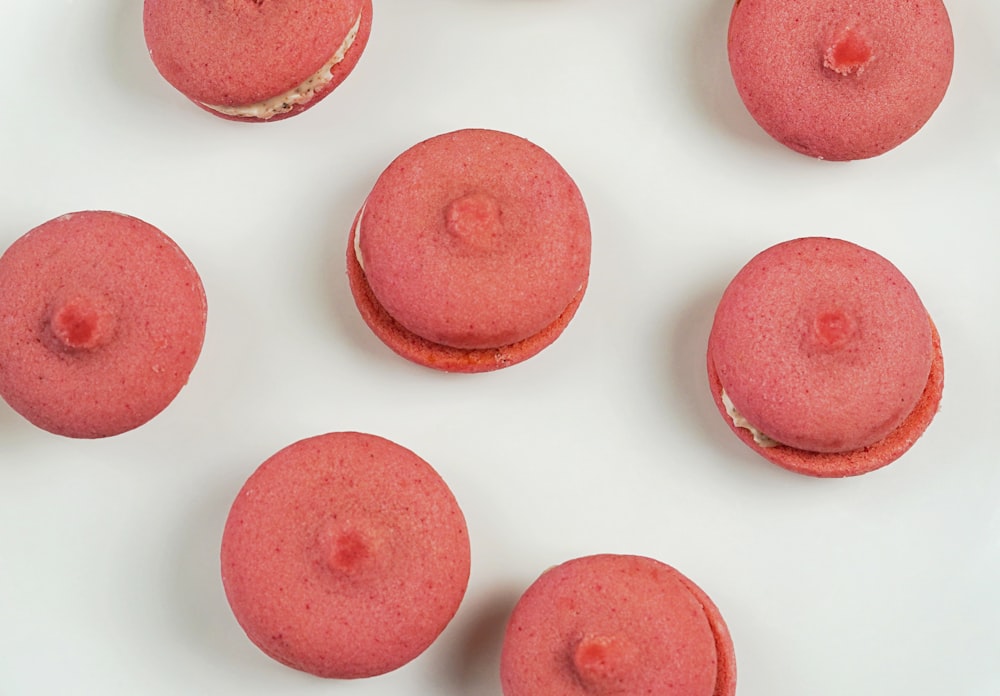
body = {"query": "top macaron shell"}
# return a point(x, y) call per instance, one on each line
point(475, 239)
point(841, 80)
point(103, 319)
point(822, 345)
point(345, 555)
point(234, 53)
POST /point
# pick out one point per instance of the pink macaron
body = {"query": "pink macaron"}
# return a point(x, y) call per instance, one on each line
point(256, 60)
point(471, 253)
point(841, 80)
point(345, 556)
point(102, 319)
point(823, 359)
point(616, 624)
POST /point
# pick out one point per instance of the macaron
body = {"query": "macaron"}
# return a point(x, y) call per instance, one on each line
point(102, 319)
point(841, 80)
point(823, 359)
point(471, 253)
point(256, 60)
point(345, 556)
point(616, 624)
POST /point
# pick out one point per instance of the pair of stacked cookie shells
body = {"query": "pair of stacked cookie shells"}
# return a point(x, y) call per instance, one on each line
point(346, 555)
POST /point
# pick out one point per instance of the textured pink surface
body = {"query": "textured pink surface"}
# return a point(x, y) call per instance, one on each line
point(614, 624)
point(854, 462)
point(825, 347)
point(102, 319)
point(446, 358)
point(241, 52)
point(841, 80)
point(345, 555)
point(475, 240)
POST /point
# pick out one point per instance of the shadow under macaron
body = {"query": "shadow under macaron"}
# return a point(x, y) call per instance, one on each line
point(477, 635)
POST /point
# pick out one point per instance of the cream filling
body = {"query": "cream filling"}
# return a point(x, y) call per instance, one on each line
point(740, 422)
point(300, 94)
point(357, 237)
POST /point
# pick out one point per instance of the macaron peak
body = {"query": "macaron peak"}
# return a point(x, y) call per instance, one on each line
point(603, 662)
point(81, 323)
point(849, 52)
point(474, 222)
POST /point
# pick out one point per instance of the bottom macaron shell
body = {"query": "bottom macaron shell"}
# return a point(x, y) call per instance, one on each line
point(344, 556)
point(854, 462)
point(725, 653)
point(616, 624)
point(423, 352)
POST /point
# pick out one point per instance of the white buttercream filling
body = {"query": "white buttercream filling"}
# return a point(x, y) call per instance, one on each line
point(301, 94)
point(357, 237)
point(740, 422)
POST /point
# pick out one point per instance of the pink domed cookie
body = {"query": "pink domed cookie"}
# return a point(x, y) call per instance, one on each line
point(841, 80)
point(471, 252)
point(256, 60)
point(345, 556)
point(823, 359)
point(615, 624)
point(103, 319)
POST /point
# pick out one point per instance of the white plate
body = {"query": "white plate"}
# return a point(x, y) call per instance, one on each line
point(605, 442)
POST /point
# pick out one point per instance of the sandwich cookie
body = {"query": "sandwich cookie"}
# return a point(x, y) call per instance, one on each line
point(256, 60)
point(823, 359)
point(471, 253)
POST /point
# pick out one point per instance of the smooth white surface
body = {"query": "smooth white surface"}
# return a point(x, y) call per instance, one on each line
point(605, 442)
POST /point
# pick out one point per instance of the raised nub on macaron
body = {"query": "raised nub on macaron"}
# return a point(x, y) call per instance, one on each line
point(602, 663)
point(81, 324)
point(849, 53)
point(474, 221)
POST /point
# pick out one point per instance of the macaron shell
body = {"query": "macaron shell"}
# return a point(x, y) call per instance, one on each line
point(841, 80)
point(448, 359)
point(725, 652)
point(241, 52)
point(140, 291)
point(616, 624)
point(344, 555)
point(475, 239)
point(855, 462)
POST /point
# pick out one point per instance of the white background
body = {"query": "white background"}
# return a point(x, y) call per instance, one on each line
point(608, 441)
